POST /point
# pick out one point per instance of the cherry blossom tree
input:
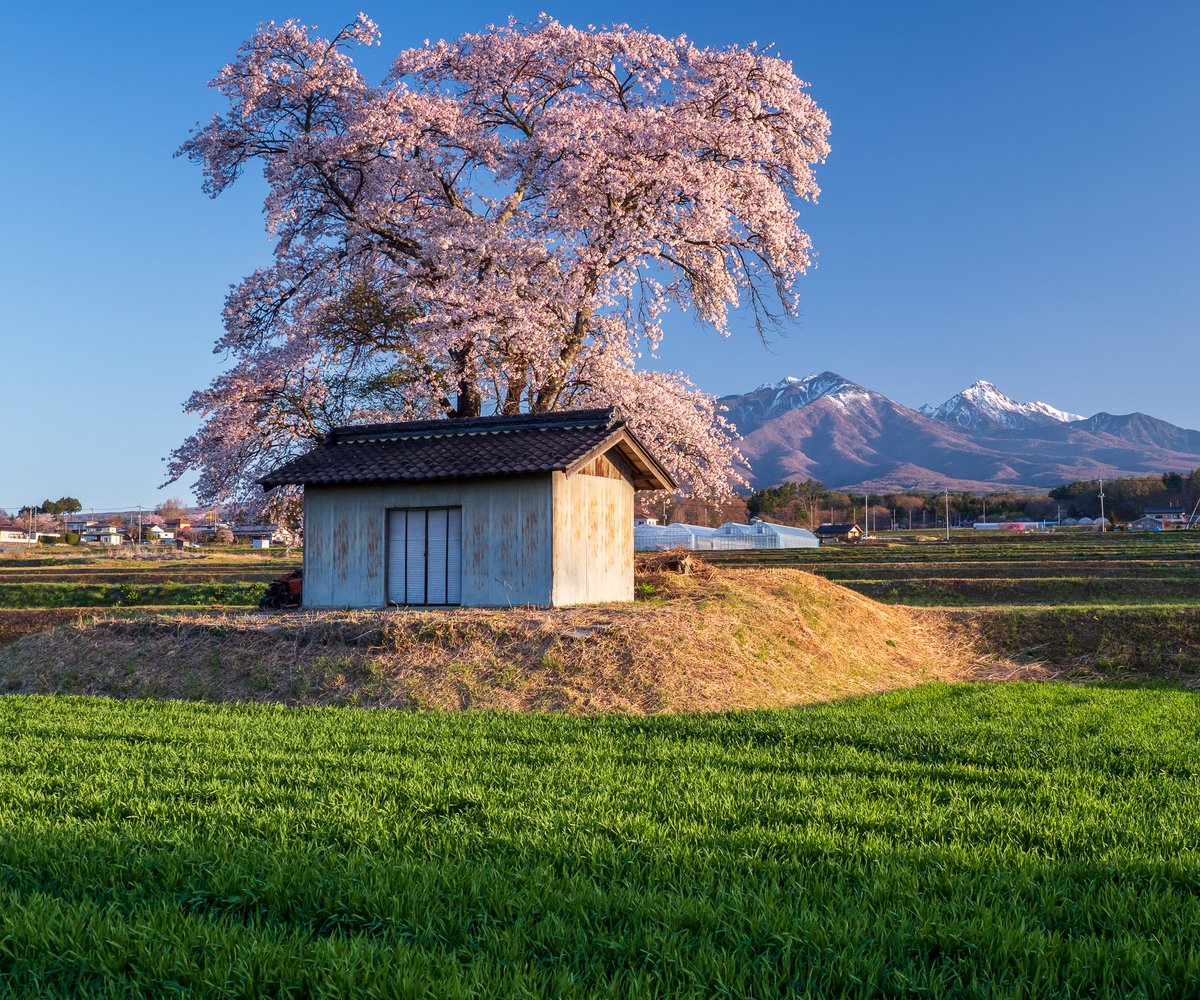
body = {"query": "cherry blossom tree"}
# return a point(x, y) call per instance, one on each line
point(500, 226)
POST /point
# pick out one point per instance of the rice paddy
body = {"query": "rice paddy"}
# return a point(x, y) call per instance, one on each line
point(970, 840)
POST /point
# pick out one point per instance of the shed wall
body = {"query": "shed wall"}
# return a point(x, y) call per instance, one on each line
point(506, 542)
point(593, 536)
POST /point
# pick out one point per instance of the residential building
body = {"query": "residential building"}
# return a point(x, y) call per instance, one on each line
point(839, 532)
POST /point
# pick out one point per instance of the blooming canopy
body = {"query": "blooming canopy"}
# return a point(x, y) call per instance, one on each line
point(500, 225)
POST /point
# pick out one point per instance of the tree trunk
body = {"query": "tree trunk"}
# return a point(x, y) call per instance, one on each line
point(470, 400)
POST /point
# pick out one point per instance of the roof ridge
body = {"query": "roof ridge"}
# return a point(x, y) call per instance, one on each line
point(452, 427)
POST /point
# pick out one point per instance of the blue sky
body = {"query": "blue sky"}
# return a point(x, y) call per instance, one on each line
point(1012, 195)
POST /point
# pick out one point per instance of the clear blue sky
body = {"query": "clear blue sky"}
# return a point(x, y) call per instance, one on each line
point(1013, 194)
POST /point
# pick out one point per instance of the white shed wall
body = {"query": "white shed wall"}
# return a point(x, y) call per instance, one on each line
point(593, 538)
point(506, 539)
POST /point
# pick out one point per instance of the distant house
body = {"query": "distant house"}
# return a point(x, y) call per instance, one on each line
point(839, 532)
point(14, 536)
point(103, 534)
point(1168, 517)
point(485, 512)
point(177, 525)
point(1146, 523)
point(158, 534)
point(77, 525)
point(269, 533)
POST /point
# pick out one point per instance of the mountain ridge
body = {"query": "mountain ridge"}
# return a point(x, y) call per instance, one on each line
point(828, 427)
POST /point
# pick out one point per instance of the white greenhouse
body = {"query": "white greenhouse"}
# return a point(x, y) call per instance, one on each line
point(728, 537)
point(660, 537)
point(764, 535)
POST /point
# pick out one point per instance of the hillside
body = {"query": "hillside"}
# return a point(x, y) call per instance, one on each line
point(829, 428)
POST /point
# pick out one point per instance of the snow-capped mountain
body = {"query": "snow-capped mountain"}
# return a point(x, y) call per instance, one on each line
point(982, 405)
point(774, 399)
point(829, 428)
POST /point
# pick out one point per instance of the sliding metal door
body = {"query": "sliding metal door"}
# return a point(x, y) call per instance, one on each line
point(424, 561)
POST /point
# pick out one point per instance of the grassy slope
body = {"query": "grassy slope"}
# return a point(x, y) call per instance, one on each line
point(715, 640)
point(989, 840)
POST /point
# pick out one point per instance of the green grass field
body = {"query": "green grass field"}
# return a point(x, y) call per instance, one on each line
point(115, 595)
point(976, 840)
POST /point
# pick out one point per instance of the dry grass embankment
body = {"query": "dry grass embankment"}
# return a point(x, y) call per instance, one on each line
point(1134, 643)
point(712, 640)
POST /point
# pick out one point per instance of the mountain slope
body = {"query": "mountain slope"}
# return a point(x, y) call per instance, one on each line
point(829, 428)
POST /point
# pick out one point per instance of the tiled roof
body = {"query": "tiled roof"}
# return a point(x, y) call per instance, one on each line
point(467, 449)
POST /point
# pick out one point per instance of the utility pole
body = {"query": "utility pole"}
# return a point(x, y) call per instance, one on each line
point(947, 514)
point(867, 515)
point(1103, 526)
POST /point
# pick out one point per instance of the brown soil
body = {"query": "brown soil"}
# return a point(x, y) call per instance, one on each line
point(709, 640)
point(14, 624)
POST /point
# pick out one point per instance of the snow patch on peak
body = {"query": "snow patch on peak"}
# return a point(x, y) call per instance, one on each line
point(791, 393)
point(783, 383)
point(981, 404)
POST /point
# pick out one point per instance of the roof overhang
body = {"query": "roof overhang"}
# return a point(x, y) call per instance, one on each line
point(648, 474)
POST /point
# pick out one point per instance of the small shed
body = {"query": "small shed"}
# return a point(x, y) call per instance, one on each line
point(839, 532)
point(483, 512)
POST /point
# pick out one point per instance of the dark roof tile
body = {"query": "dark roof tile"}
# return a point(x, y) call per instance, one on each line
point(458, 449)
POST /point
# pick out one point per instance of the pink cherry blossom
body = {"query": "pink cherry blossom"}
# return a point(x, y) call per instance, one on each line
point(500, 226)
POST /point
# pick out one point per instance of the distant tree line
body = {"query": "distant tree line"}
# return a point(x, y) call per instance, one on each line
point(55, 508)
point(808, 504)
point(1126, 499)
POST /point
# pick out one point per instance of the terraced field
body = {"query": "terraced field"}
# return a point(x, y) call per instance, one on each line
point(1095, 571)
point(40, 590)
